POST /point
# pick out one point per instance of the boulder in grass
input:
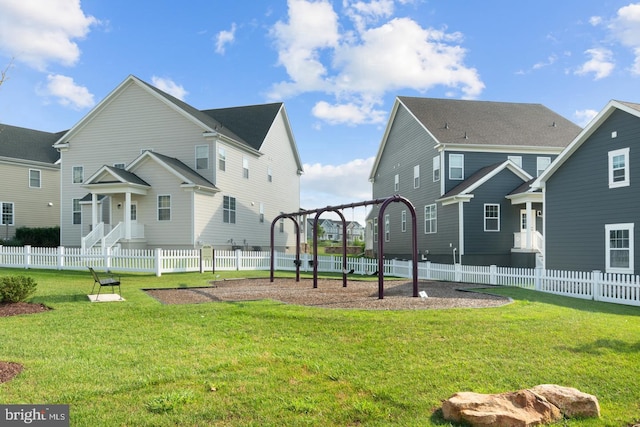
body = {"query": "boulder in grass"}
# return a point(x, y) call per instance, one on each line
point(522, 408)
point(571, 401)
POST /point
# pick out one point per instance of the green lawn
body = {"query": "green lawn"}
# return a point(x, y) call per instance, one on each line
point(263, 363)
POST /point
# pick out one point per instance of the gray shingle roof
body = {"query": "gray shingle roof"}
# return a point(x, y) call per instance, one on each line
point(28, 144)
point(251, 123)
point(246, 124)
point(184, 170)
point(491, 123)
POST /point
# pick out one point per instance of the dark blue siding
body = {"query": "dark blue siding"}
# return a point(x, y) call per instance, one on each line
point(579, 201)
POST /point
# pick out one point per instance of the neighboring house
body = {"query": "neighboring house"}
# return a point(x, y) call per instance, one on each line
point(592, 196)
point(466, 167)
point(145, 170)
point(328, 229)
point(30, 176)
point(355, 231)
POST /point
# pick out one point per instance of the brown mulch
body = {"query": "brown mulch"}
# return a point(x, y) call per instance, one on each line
point(398, 294)
point(8, 370)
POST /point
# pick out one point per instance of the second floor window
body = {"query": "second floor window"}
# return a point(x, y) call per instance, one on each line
point(269, 174)
point(416, 176)
point(245, 167)
point(375, 229)
point(164, 207)
point(396, 183)
point(541, 164)
point(77, 175)
point(436, 169)
point(261, 217)
point(403, 221)
point(222, 159)
point(34, 178)
point(619, 168)
point(202, 157)
point(387, 232)
point(229, 210)
point(456, 166)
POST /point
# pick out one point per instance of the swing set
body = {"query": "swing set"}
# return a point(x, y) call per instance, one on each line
point(383, 202)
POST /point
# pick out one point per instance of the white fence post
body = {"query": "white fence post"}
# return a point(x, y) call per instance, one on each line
point(60, 256)
point(158, 262)
point(458, 272)
point(596, 283)
point(27, 256)
point(537, 278)
point(493, 275)
point(238, 259)
point(107, 258)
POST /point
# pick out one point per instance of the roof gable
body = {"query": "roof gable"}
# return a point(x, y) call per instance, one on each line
point(184, 173)
point(465, 189)
point(576, 143)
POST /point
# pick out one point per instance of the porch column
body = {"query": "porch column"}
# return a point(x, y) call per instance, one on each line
point(127, 215)
point(529, 234)
point(94, 211)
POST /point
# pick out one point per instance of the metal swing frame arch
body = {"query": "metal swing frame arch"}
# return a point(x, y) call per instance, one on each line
point(384, 202)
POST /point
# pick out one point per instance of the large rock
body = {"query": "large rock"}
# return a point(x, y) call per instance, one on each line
point(518, 409)
point(571, 401)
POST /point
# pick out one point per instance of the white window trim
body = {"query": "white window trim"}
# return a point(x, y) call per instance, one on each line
point(13, 214)
point(205, 146)
point(245, 168)
point(427, 220)
point(539, 169)
point(460, 156)
point(158, 207)
point(375, 229)
point(416, 176)
point(396, 183)
point(39, 178)
point(626, 181)
point(403, 221)
point(73, 168)
point(222, 159)
point(516, 159)
point(387, 226)
point(234, 210)
point(607, 229)
point(492, 218)
point(74, 211)
point(436, 168)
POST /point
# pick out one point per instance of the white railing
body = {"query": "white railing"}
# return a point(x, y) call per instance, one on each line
point(93, 237)
point(114, 235)
point(595, 285)
point(520, 240)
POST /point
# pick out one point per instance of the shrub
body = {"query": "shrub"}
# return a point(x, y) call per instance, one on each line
point(16, 288)
point(42, 237)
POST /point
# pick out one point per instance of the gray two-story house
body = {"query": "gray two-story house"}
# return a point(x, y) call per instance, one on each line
point(466, 167)
point(592, 196)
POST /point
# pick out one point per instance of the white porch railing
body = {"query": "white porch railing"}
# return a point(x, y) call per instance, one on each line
point(114, 235)
point(93, 237)
point(520, 241)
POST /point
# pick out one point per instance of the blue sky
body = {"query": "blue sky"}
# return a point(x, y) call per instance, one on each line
point(337, 65)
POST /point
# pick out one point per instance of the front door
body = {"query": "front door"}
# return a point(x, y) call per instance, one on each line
point(523, 221)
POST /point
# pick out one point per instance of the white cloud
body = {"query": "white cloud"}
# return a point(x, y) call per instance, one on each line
point(68, 92)
point(334, 185)
point(358, 67)
point(600, 64)
point(626, 28)
point(583, 117)
point(40, 32)
point(223, 38)
point(595, 20)
point(169, 86)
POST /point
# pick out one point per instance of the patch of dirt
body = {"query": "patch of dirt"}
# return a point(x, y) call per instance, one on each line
point(16, 308)
point(398, 294)
point(8, 370)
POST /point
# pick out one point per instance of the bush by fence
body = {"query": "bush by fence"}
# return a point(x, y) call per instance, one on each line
point(595, 285)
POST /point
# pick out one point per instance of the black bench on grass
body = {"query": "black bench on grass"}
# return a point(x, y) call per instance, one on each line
point(110, 280)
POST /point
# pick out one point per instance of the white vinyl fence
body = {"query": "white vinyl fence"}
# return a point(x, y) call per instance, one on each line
point(595, 285)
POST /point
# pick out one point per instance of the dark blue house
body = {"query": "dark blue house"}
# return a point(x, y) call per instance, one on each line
point(466, 167)
point(592, 197)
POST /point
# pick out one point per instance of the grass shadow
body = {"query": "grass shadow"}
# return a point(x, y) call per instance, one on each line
point(519, 294)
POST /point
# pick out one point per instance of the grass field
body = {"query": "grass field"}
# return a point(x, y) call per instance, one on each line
point(264, 363)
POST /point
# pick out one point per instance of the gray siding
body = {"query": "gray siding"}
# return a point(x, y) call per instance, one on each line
point(579, 201)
